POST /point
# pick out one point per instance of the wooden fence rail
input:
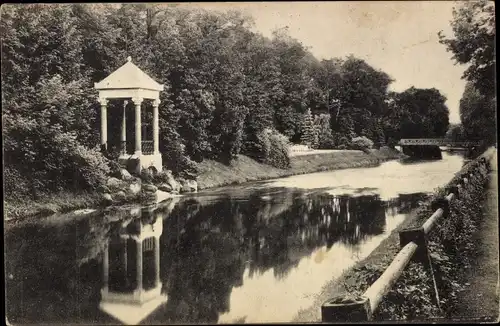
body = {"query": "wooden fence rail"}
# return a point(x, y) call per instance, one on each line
point(413, 243)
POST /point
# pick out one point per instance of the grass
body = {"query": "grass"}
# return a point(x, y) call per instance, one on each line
point(50, 204)
point(244, 169)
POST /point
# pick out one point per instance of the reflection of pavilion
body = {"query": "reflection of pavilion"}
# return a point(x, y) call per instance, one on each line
point(131, 270)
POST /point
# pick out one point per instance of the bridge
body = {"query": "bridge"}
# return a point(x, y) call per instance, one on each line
point(436, 142)
point(428, 148)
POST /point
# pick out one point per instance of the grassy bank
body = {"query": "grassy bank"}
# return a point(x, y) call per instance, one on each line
point(61, 202)
point(244, 169)
point(450, 244)
point(212, 174)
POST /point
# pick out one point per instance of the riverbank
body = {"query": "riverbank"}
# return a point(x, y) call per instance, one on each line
point(212, 174)
point(415, 283)
point(479, 302)
point(244, 169)
point(61, 202)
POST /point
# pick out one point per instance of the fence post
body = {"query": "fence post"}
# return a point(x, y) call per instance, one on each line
point(354, 310)
point(418, 236)
point(443, 204)
point(453, 190)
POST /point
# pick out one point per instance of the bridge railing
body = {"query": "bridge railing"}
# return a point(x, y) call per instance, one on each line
point(413, 244)
point(436, 142)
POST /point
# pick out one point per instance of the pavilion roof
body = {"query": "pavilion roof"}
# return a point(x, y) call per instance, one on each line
point(128, 76)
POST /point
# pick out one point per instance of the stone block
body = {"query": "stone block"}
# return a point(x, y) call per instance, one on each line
point(134, 188)
point(165, 187)
point(149, 188)
point(125, 175)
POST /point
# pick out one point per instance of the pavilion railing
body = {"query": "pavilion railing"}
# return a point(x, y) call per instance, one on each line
point(123, 147)
point(147, 147)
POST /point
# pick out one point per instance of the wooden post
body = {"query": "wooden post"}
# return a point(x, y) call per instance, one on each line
point(434, 278)
point(453, 190)
point(334, 310)
point(442, 203)
point(379, 289)
point(422, 255)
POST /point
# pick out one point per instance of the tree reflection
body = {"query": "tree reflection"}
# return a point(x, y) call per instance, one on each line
point(206, 248)
point(209, 246)
point(48, 283)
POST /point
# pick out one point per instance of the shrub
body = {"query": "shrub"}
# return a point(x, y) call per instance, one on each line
point(91, 168)
point(309, 134)
point(273, 148)
point(341, 141)
point(147, 176)
point(361, 143)
point(326, 140)
point(53, 160)
point(163, 176)
point(115, 169)
point(178, 162)
point(17, 186)
point(324, 131)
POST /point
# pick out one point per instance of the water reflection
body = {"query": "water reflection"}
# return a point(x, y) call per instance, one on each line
point(215, 258)
point(131, 287)
point(254, 253)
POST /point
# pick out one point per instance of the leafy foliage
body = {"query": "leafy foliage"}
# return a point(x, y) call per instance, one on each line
point(456, 133)
point(416, 113)
point(473, 43)
point(309, 136)
point(225, 85)
point(478, 115)
point(362, 143)
point(323, 131)
point(274, 148)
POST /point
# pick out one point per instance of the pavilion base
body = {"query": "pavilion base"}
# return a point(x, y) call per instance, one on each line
point(132, 312)
point(135, 163)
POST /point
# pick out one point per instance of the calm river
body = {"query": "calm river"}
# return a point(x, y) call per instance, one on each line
point(252, 253)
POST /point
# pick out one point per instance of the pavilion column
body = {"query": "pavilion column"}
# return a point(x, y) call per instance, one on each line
point(139, 264)
point(104, 124)
point(124, 128)
point(124, 259)
point(156, 132)
point(105, 268)
point(138, 124)
point(157, 259)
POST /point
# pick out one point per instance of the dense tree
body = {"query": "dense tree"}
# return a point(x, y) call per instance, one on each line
point(323, 131)
point(473, 43)
point(455, 133)
point(416, 113)
point(228, 90)
point(47, 113)
point(478, 115)
point(308, 132)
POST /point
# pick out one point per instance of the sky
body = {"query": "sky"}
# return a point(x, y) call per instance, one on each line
point(398, 37)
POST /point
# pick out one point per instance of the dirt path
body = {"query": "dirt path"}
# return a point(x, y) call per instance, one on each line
point(479, 302)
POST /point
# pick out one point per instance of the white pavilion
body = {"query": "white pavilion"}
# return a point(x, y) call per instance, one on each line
point(131, 288)
point(131, 83)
